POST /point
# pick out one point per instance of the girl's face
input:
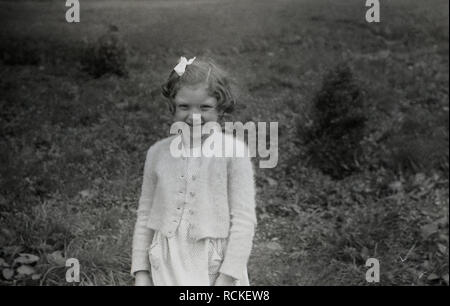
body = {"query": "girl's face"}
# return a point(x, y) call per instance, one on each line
point(192, 100)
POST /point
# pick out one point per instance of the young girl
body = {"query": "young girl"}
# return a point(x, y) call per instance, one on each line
point(196, 215)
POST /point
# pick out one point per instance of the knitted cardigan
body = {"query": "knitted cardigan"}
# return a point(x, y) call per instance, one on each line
point(221, 192)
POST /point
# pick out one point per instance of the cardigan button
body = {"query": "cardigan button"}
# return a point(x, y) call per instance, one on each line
point(194, 177)
point(192, 194)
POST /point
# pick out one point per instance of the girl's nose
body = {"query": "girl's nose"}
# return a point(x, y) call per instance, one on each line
point(194, 118)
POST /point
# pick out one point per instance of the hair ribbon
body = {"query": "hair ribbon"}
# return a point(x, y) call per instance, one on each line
point(180, 68)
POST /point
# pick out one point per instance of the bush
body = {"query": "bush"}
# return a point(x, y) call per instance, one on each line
point(338, 124)
point(107, 55)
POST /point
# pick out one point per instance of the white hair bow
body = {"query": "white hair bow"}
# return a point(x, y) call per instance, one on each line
point(181, 67)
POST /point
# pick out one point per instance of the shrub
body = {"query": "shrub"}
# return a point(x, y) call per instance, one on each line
point(107, 55)
point(334, 138)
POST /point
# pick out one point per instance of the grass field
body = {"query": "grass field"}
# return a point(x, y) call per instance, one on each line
point(73, 146)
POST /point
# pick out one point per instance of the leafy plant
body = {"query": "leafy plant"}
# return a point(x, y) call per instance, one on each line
point(107, 55)
point(338, 124)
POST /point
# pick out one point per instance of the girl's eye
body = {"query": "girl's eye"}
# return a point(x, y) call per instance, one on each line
point(206, 107)
point(183, 106)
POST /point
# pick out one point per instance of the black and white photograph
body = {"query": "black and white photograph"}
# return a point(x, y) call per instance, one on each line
point(232, 143)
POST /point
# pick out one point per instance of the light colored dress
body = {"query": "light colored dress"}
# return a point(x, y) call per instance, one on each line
point(181, 260)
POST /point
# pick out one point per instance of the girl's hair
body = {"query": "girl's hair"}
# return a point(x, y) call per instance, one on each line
point(202, 71)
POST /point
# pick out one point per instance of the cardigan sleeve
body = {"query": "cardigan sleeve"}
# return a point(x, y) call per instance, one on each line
point(241, 195)
point(143, 235)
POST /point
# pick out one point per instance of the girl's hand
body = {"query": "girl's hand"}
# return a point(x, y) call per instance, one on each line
point(142, 278)
point(224, 280)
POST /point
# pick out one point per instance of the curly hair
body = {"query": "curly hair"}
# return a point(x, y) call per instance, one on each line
point(202, 71)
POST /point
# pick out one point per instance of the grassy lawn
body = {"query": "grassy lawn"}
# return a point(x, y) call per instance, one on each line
point(73, 146)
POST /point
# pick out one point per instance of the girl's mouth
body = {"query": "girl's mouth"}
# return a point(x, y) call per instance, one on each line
point(192, 125)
